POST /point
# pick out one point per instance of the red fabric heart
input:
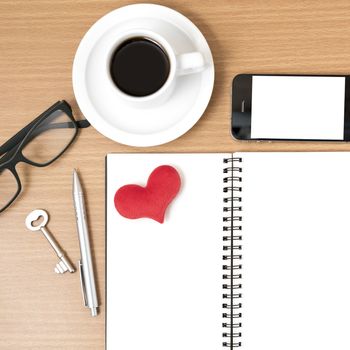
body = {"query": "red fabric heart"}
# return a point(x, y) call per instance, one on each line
point(134, 201)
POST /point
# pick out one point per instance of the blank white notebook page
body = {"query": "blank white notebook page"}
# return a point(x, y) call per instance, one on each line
point(296, 251)
point(164, 281)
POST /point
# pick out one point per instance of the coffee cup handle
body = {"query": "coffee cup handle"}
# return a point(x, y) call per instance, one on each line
point(189, 63)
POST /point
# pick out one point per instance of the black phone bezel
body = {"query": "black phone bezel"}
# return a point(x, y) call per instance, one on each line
point(241, 117)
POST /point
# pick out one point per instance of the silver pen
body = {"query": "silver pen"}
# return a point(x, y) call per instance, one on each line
point(87, 278)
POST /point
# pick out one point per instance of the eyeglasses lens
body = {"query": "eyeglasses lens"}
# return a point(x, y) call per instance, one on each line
point(48, 140)
point(8, 187)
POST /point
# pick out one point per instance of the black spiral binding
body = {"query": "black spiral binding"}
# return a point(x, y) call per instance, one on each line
point(232, 253)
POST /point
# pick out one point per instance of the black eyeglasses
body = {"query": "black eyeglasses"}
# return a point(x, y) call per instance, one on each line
point(39, 143)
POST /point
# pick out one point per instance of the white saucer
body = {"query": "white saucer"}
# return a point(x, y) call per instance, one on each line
point(115, 118)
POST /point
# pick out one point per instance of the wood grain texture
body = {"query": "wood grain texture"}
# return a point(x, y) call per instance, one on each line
point(38, 39)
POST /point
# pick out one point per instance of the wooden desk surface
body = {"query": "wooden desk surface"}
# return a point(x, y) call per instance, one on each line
point(38, 39)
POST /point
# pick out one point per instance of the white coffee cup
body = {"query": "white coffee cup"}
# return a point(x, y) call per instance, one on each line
point(180, 64)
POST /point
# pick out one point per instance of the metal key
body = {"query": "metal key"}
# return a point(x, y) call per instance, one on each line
point(64, 264)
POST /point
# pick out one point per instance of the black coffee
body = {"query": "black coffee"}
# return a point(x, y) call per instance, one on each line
point(139, 67)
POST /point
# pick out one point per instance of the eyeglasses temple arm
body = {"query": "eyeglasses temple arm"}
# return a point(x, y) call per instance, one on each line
point(17, 138)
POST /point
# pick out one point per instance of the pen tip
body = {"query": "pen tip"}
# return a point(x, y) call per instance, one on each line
point(76, 182)
point(94, 311)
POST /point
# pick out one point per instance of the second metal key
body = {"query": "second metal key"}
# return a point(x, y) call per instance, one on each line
point(64, 264)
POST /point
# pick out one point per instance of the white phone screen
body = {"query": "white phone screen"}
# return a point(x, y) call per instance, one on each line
point(298, 107)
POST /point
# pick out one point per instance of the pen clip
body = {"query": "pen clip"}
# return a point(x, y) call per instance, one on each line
point(82, 282)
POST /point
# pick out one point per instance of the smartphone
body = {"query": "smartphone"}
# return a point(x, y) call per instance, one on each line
point(291, 107)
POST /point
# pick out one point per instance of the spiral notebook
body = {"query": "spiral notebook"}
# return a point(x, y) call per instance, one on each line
point(254, 254)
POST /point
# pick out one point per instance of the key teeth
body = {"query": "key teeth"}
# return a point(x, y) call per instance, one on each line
point(67, 265)
point(61, 267)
